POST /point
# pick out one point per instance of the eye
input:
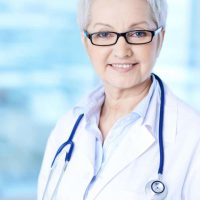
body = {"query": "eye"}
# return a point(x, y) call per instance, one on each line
point(104, 35)
point(138, 34)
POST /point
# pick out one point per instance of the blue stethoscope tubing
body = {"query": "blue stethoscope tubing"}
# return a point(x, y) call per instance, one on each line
point(160, 138)
point(68, 155)
point(70, 143)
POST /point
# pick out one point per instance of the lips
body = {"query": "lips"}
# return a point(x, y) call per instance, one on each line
point(123, 67)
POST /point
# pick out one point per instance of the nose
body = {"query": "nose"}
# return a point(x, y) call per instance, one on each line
point(122, 49)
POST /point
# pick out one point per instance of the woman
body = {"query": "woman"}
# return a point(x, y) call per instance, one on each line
point(119, 129)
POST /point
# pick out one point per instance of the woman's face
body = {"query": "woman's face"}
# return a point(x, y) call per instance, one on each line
point(123, 66)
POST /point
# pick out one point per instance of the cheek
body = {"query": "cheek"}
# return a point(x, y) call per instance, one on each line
point(148, 55)
point(98, 56)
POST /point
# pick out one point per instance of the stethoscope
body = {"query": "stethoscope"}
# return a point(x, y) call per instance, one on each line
point(155, 189)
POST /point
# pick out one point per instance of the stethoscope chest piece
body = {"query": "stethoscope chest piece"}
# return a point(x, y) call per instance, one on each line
point(156, 190)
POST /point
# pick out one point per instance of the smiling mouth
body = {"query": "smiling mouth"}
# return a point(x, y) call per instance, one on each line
point(123, 66)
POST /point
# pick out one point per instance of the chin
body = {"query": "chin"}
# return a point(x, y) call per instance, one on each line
point(121, 85)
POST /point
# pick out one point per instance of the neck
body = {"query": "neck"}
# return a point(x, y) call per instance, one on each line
point(120, 102)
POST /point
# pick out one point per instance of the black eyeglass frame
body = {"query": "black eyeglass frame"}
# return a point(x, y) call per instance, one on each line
point(153, 33)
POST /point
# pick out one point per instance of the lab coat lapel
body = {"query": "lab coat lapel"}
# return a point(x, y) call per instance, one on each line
point(85, 147)
point(81, 167)
point(136, 142)
point(170, 116)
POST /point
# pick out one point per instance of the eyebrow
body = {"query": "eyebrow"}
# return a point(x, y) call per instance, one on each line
point(102, 24)
point(131, 26)
point(139, 23)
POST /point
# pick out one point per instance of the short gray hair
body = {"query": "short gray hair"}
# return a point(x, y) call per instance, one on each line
point(159, 10)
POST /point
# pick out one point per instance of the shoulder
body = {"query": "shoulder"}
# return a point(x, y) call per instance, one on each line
point(184, 110)
point(63, 126)
point(66, 122)
point(60, 132)
point(187, 118)
point(187, 141)
point(58, 136)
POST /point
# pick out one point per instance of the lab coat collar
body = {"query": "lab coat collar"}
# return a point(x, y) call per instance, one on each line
point(151, 119)
point(94, 100)
point(91, 103)
point(85, 146)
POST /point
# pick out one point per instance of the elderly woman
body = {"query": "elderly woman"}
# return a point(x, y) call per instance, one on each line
point(131, 138)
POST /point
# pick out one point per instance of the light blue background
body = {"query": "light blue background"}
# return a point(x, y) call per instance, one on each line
point(44, 70)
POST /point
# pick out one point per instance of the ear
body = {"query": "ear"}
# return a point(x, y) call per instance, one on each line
point(84, 40)
point(82, 37)
point(160, 42)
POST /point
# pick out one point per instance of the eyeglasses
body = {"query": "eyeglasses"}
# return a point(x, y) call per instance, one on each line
point(136, 37)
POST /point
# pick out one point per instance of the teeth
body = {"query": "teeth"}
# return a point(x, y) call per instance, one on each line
point(125, 66)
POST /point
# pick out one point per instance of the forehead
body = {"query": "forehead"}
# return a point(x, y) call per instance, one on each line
point(120, 14)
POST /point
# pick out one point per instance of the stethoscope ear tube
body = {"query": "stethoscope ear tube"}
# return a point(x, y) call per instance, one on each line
point(47, 184)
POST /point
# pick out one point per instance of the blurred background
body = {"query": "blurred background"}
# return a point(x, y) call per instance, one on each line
point(44, 71)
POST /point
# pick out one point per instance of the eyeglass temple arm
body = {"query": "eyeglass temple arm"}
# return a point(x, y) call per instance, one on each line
point(158, 30)
point(86, 34)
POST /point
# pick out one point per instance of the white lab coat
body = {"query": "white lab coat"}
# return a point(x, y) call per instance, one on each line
point(135, 161)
